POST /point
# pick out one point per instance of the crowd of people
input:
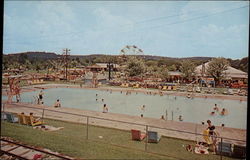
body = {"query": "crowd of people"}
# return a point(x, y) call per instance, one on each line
point(216, 109)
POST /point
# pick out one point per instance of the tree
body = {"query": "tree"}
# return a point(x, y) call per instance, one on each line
point(163, 73)
point(216, 68)
point(150, 63)
point(187, 68)
point(22, 58)
point(135, 67)
point(162, 62)
point(172, 68)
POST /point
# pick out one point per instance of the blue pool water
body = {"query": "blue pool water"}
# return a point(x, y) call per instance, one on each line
point(192, 110)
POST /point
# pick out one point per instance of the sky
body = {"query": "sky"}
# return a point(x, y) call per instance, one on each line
point(162, 28)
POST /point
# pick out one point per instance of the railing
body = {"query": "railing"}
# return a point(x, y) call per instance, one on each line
point(148, 147)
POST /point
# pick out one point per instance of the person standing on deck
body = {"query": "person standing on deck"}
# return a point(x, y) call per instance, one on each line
point(40, 97)
point(213, 134)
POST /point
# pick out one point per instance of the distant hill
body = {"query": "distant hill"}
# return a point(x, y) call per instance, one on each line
point(36, 55)
point(52, 55)
point(241, 64)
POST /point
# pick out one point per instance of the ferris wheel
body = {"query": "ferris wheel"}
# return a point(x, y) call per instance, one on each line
point(131, 50)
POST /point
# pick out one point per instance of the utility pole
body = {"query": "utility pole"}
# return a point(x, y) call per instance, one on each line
point(66, 54)
point(110, 66)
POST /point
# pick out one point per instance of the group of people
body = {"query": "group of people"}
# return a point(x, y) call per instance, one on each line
point(213, 134)
point(142, 109)
point(203, 147)
point(216, 109)
point(105, 107)
point(40, 100)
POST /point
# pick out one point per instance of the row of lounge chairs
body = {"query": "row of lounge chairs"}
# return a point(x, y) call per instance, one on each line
point(38, 81)
point(125, 85)
point(223, 148)
point(231, 150)
point(21, 119)
point(235, 92)
point(170, 88)
point(153, 137)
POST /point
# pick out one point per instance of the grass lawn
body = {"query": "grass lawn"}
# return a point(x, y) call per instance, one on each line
point(71, 140)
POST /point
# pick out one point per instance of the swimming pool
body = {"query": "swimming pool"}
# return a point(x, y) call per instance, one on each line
point(195, 110)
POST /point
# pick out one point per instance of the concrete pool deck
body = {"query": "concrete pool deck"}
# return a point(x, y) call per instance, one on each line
point(121, 121)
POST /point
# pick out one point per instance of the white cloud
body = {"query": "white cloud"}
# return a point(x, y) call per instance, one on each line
point(212, 31)
point(53, 17)
point(107, 20)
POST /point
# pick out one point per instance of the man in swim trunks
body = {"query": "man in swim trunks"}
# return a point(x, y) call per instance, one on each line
point(213, 134)
point(40, 97)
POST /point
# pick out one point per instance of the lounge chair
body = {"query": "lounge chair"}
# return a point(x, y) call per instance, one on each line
point(169, 88)
point(198, 90)
point(11, 118)
point(190, 89)
point(224, 149)
point(242, 93)
point(236, 91)
point(3, 116)
point(164, 88)
point(239, 151)
point(21, 119)
point(209, 91)
point(136, 86)
point(137, 135)
point(174, 88)
point(230, 92)
point(153, 137)
point(30, 121)
point(182, 89)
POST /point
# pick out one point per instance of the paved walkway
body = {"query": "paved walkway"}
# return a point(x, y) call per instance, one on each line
point(126, 122)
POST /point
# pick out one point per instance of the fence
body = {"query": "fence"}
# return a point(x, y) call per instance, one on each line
point(115, 132)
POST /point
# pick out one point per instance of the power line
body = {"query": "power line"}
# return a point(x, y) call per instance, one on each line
point(149, 20)
point(195, 18)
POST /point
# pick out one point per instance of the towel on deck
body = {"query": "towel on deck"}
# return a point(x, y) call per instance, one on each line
point(48, 128)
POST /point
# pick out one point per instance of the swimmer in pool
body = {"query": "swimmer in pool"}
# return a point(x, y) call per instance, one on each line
point(102, 100)
point(105, 109)
point(180, 118)
point(143, 107)
point(216, 108)
point(223, 112)
point(212, 113)
point(162, 117)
